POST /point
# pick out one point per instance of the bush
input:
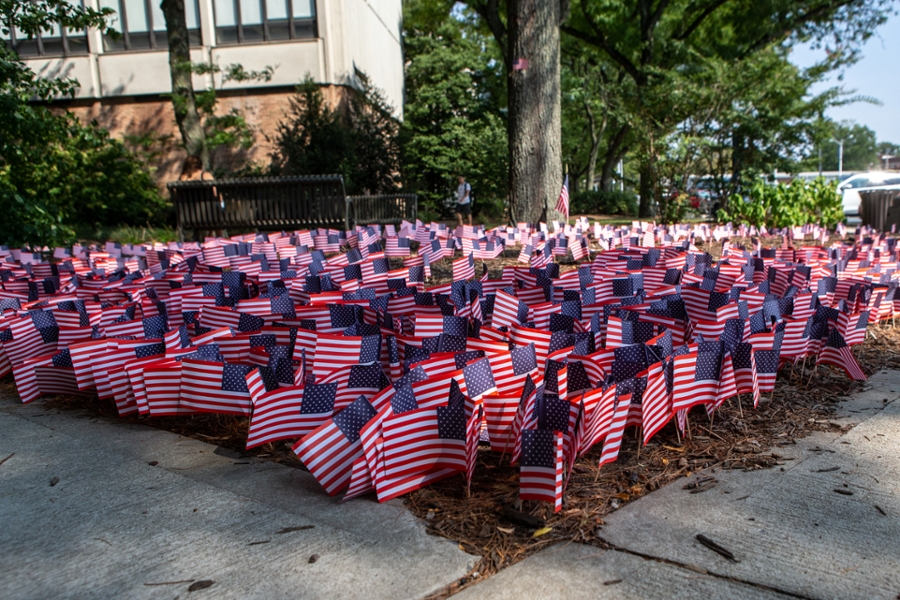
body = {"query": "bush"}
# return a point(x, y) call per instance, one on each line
point(604, 202)
point(58, 176)
point(798, 203)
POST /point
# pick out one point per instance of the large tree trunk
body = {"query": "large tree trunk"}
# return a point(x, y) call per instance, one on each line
point(183, 100)
point(535, 146)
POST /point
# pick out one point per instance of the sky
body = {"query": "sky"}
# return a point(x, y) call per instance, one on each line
point(876, 74)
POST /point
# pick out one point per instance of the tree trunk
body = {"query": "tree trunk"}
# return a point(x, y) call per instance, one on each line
point(614, 153)
point(596, 136)
point(183, 100)
point(535, 145)
point(647, 186)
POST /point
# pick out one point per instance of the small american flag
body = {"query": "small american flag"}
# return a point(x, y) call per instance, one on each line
point(541, 471)
point(464, 268)
point(837, 353)
point(562, 205)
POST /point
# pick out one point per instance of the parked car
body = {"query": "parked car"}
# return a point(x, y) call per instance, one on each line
point(850, 187)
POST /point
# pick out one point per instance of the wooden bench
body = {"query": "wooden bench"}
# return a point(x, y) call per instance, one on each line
point(262, 203)
point(384, 209)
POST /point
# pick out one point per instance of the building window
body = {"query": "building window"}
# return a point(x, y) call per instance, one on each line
point(142, 26)
point(251, 21)
point(55, 42)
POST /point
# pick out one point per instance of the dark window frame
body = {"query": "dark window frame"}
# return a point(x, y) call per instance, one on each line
point(13, 43)
point(151, 32)
point(267, 36)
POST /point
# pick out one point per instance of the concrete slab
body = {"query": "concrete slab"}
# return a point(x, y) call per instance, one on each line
point(576, 571)
point(792, 534)
point(114, 524)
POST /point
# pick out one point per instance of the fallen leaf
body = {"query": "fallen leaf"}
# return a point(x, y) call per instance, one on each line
point(541, 531)
point(673, 448)
point(290, 529)
point(313, 558)
point(201, 585)
point(153, 463)
point(506, 529)
point(54, 481)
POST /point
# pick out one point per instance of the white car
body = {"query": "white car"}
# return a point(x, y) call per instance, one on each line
point(849, 189)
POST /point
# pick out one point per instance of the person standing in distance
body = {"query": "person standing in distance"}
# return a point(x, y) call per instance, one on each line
point(463, 200)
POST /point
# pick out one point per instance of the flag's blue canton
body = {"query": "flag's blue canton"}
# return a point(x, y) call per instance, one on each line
point(585, 276)
point(269, 378)
point(403, 400)
point(455, 326)
point(416, 274)
point(633, 354)
point(553, 413)
point(352, 272)
point(365, 376)
point(42, 319)
point(393, 352)
point(577, 378)
point(209, 352)
point(370, 349)
point(863, 321)
point(708, 366)
point(741, 356)
point(416, 354)
point(150, 350)
point(395, 284)
point(49, 335)
point(827, 285)
point(766, 361)
point(354, 255)
point(318, 398)
point(248, 322)
point(451, 421)
point(381, 266)
point(539, 448)
point(6, 335)
point(233, 377)
point(352, 419)
point(622, 287)
point(836, 340)
point(560, 322)
point(233, 278)
point(154, 327)
point(283, 305)
point(826, 313)
point(314, 284)
point(479, 378)
point(62, 359)
point(716, 301)
point(733, 333)
point(361, 329)
point(560, 340)
point(524, 359)
point(551, 375)
point(571, 308)
point(522, 312)
point(757, 322)
point(342, 315)
point(265, 340)
point(771, 309)
point(624, 369)
point(425, 299)
point(463, 358)
point(642, 332)
point(450, 343)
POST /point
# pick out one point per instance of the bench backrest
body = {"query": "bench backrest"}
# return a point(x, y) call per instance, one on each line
point(266, 203)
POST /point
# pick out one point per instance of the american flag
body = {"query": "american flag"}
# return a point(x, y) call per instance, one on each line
point(330, 451)
point(562, 204)
point(542, 466)
point(215, 387)
point(464, 268)
point(696, 379)
point(612, 441)
point(837, 353)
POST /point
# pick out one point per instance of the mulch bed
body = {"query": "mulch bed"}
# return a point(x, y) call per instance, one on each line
point(493, 524)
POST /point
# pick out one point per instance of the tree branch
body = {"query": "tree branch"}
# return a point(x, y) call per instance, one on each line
point(599, 40)
point(704, 14)
point(490, 12)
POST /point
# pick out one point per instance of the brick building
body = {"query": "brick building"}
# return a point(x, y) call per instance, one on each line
point(123, 81)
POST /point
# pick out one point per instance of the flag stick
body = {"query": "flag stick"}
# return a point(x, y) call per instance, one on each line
point(639, 437)
point(677, 434)
point(712, 416)
point(740, 406)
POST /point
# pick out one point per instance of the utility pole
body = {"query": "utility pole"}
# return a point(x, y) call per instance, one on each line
point(840, 144)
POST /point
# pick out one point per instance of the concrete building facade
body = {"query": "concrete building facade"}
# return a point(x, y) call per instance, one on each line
point(124, 79)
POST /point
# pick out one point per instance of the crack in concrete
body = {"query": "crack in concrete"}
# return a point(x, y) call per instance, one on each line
point(703, 570)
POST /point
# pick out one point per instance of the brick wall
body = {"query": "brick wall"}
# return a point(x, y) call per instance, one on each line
point(153, 116)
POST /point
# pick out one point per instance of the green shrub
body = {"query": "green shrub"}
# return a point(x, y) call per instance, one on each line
point(604, 202)
point(798, 203)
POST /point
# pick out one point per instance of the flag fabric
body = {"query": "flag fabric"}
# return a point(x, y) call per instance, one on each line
point(837, 353)
point(562, 204)
point(541, 470)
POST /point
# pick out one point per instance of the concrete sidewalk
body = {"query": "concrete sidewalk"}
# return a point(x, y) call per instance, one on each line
point(116, 527)
point(791, 533)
